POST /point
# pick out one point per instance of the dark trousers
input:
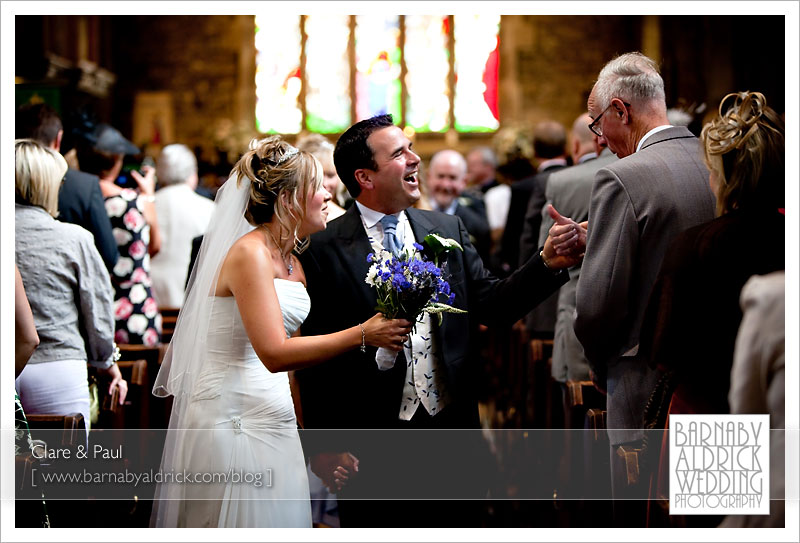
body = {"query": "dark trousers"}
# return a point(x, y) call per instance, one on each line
point(429, 472)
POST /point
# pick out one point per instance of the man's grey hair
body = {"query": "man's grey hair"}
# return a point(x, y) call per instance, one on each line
point(487, 155)
point(175, 164)
point(633, 78)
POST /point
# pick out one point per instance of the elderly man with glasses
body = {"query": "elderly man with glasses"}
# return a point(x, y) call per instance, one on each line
point(639, 204)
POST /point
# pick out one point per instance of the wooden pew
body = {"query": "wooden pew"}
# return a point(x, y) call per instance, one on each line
point(540, 395)
point(135, 413)
point(581, 396)
point(45, 426)
point(597, 507)
point(158, 408)
point(169, 317)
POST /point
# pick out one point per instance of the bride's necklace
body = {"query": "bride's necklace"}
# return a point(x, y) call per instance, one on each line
point(288, 264)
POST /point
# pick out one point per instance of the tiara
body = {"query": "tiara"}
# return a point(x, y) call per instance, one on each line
point(287, 155)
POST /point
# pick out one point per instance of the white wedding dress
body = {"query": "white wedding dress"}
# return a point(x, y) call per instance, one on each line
point(243, 430)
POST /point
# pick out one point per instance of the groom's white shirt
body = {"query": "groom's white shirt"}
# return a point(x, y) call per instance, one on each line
point(420, 379)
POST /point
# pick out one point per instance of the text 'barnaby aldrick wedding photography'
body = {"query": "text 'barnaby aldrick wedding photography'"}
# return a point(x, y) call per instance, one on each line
point(719, 463)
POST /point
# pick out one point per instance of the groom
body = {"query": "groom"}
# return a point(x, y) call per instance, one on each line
point(391, 413)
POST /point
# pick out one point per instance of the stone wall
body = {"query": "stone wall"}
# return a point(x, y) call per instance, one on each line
point(207, 64)
point(549, 63)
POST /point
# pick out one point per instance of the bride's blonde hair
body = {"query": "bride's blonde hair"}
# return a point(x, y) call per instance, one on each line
point(281, 179)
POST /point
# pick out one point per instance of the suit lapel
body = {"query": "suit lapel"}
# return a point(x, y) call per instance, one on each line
point(353, 248)
point(421, 226)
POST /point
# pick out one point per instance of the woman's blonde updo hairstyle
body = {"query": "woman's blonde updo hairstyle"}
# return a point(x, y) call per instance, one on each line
point(744, 147)
point(281, 179)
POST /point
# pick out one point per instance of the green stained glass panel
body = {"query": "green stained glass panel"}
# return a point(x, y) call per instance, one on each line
point(377, 66)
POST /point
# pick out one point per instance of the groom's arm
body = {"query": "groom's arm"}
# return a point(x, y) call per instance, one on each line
point(506, 301)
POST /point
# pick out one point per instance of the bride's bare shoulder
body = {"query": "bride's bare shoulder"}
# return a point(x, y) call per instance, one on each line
point(248, 249)
point(247, 260)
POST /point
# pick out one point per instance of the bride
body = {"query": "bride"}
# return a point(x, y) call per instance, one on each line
point(232, 456)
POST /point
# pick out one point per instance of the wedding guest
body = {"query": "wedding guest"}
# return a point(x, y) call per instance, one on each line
point(431, 386)
point(639, 204)
point(527, 194)
point(68, 288)
point(79, 199)
point(481, 166)
point(569, 191)
point(235, 341)
point(135, 227)
point(446, 182)
point(758, 383)
point(514, 146)
point(703, 272)
point(322, 150)
point(182, 215)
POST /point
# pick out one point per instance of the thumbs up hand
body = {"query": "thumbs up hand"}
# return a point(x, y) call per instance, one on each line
point(566, 242)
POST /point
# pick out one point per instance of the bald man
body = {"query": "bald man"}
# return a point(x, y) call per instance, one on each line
point(446, 180)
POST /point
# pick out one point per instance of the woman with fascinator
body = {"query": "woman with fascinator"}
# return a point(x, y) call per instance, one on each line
point(693, 316)
point(690, 327)
point(233, 427)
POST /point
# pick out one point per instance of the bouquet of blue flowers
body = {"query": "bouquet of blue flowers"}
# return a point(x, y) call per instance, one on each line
point(409, 285)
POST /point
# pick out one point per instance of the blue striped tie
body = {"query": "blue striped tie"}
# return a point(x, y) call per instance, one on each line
point(390, 241)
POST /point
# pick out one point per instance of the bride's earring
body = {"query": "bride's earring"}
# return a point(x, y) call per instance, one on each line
point(300, 245)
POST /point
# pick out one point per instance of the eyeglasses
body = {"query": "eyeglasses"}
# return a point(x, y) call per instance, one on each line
point(595, 124)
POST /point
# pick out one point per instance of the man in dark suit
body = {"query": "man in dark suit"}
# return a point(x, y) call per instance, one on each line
point(446, 181)
point(375, 161)
point(549, 147)
point(657, 189)
point(79, 199)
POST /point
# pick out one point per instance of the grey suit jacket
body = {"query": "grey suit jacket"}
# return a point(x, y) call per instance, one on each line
point(569, 191)
point(638, 205)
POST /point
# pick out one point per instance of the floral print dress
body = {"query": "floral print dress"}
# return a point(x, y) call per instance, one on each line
point(135, 310)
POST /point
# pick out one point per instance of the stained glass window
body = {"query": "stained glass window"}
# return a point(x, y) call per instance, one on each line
point(278, 74)
point(327, 77)
point(426, 56)
point(476, 59)
point(377, 66)
point(321, 73)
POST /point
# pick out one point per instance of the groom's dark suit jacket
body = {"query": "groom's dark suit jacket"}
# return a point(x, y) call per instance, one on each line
point(349, 391)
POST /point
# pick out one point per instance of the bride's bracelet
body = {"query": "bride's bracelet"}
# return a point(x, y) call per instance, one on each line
point(363, 338)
